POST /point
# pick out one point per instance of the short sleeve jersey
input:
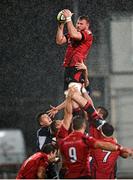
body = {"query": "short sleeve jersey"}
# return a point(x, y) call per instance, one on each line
point(29, 168)
point(103, 163)
point(77, 50)
point(75, 153)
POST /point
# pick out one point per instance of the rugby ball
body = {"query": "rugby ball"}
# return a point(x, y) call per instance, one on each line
point(60, 17)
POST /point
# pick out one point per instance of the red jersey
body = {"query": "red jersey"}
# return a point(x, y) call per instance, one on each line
point(78, 50)
point(29, 168)
point(75, 153)
point(62, 133)
point(103, 163)
point(93, 131)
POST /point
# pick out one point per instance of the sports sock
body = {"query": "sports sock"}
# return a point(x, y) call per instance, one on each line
point(91, 111)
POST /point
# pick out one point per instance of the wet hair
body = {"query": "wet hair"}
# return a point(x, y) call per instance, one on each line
point(84, 17)
point(78, 122)
point(104, 111)
point(38, 116)
point(107, 129)
point(48, 148)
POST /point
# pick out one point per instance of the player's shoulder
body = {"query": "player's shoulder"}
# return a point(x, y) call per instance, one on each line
point(114, 140)
point(88, 32)
point(40, 155)
point(37, 154)
point(87, 35)
point(63, 131)
point(111, 139)
point(43, 130)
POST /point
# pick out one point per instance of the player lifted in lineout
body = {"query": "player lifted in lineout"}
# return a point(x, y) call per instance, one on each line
point(79, 40)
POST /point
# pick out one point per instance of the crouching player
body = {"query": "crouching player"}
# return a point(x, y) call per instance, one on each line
point(35, 166)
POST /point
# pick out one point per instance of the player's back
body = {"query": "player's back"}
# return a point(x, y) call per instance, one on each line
point(29, 168)
point(103, 164)
point(75, 153)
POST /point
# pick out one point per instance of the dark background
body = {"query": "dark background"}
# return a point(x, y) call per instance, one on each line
point(31, 76)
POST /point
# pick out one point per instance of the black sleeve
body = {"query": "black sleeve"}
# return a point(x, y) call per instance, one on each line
point(82, 37)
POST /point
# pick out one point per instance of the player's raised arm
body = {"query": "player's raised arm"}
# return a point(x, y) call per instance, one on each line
point(83, 67)
point(126, 152)
point(68, 110)
point(60, 37)
point(96, 143)
point(71, 29)
point(64, 129)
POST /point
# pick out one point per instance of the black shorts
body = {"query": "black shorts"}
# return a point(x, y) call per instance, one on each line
point(71, 74)
point(51, 172)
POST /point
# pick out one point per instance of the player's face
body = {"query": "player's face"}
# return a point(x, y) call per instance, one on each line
point(82, 25)
point(45, 120)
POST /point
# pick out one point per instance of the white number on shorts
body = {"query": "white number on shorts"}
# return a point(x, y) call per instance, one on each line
point(106, 155)
point(72, 154)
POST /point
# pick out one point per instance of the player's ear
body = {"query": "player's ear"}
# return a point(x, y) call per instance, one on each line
point(41, 123)
point(88, 24)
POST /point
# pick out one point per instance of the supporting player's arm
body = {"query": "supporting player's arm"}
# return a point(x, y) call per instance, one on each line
point(126, 152)
point(106, 145)
point(96, 144)
point(83, 67)
point(68, 111)
point(101, 144)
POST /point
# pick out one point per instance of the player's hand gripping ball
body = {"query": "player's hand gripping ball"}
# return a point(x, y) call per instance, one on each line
point(60, 17)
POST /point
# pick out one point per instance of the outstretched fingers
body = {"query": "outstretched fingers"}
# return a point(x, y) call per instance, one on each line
point(52, 112)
